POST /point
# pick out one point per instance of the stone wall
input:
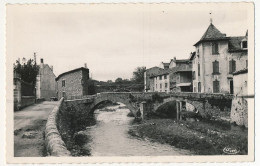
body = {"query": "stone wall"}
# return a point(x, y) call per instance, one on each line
point(54, 143)
point(26, 101)
point(239, 112)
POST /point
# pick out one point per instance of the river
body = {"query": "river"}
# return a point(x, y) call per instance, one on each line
point(109, 137)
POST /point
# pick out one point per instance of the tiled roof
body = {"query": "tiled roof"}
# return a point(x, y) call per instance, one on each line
point(71, 71)
point(212, 33)
point(234, 44)
point(173, 70)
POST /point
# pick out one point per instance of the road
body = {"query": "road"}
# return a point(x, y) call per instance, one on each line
point(29, 125)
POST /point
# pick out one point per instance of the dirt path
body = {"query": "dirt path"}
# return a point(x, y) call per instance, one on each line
point(29, 125)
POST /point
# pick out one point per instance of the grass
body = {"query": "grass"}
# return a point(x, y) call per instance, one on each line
point(201, 138)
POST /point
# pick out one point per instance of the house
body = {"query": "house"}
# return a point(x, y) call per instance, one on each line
point(217, 58)
point(73, 84)
point(45, 82)
point(161, 81)
point(177, 78)
point(181, 79)
point(148, 82)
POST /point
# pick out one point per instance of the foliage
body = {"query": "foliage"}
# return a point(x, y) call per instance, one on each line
point(28, 70)
point(91, 87)
point(119, 80)
point(138, 74)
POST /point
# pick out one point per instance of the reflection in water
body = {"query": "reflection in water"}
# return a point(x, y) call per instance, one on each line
point(109, 137)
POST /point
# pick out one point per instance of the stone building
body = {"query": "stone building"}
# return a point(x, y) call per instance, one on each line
point(45, 82)
point(148, 82)
point(176, 78)
point(217, 57)
point(73, 84)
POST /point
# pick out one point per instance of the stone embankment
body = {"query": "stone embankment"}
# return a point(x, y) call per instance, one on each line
point(54, 143)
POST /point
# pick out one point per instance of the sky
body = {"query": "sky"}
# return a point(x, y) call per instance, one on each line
point(114, 39)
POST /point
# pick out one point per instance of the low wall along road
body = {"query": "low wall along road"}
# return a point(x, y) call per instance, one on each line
point(54, 143)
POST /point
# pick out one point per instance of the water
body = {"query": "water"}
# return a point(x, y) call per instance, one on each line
point(109, 137)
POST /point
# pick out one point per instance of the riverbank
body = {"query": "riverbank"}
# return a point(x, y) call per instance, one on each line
point(201, 138)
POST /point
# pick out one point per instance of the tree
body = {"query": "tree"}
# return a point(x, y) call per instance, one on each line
point(138, 75)
point(119, 80)
point(27, 70)
point(109, 81)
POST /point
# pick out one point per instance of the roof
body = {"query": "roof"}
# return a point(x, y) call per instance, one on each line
point(243, 71)
point(153, 71)
point(71, 71)
point(161, 72)
point(234, 44)
point(173, 70)
point(212, 33)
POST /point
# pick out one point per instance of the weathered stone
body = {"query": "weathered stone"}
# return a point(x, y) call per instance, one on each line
point(54, 143)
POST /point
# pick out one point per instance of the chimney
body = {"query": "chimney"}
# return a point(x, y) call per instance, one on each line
point(41, 65)
point(174, 58)
point(51, 67)
point(85, 65)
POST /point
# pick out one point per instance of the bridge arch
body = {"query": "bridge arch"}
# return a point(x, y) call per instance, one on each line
point(190, 105)
point(133, 107)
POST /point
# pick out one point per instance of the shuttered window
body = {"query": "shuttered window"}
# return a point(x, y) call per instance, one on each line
point(199, 87)
point(232, 66)
point(198, 69)
point(215, 67)
point(193, 75)
point(63, 83)
point(214, 48)
point(216, 86)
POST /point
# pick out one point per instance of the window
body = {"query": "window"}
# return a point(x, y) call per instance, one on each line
point(165, 77)
point(246, 64)
point(244, 44)
point(193, 75)
point(198, 69)
point(156, 86)
point(160, 78)
point(199, 87)
point(194, 89)
point(216, 86)
point(232, 66)
point(63, 94)
point(214, 48)
point(160, 86)
point(215, 67)
point(166, 85)
point(63, 83)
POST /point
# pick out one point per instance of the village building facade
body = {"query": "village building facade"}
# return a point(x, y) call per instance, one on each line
point(148, 82)
point(175, 78)
point(217, 57)
point(45, 82)
point(73, 84)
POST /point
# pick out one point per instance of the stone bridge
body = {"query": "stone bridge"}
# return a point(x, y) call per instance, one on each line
point(208, 104)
